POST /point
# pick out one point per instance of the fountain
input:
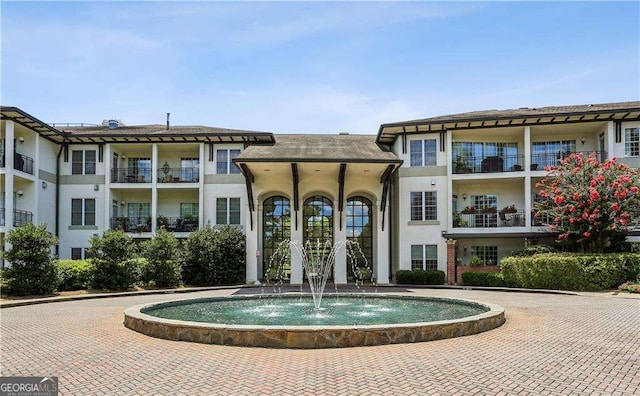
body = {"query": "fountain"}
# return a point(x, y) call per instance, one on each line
point(285, 320)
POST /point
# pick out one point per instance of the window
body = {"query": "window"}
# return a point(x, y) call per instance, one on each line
point(360, 229)
point(424, 257)
point(83, 162)
point(138, 210)
point(424, 206)
point(83, 212)
point(189, 210)
point(317, 219)
point(140, 169)
point(276, 228)
point(224, 163)
point(632, 142)
point(549, 153)
point(488, 254)
point(470, 156)
point(190, 169)
point(423, 152)
point(227, 211)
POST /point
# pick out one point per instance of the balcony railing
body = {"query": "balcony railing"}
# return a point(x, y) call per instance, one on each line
point(179, 175)
point(482, 164)
point(475, 220)
point(2, 159)
point(2, 220)
point(131, 224)
point(178, 224)
point(541, 160)
point(130, 175)
point(23, 163)
point(21, 217)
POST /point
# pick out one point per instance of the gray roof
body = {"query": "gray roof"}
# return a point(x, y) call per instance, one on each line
point(319, 148)
point(512, 117)
point(528, 111)
point(160, 132)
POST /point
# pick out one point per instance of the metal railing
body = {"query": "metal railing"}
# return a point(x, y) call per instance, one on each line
point(484, 164)
point(21, 217)
point(131, 224)
point(23, 163)
point(2, 159)
point(131, 175)
point(475, 220)
point(179, 175)
point(2, 221)
point(541, 160)
point(177, 224)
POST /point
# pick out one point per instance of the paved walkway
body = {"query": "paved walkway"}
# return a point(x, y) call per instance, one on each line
point(550, 345)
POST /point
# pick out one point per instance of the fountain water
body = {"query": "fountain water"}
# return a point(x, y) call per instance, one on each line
point(318, 260)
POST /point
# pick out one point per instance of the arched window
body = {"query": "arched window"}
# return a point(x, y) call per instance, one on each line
point(276, 228)
point(318, 219)
point(360, 228)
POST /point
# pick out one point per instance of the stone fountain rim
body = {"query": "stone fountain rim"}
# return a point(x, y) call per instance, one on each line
point(136, 313)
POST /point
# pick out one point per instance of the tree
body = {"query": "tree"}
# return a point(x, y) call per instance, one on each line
point(111, 256)
point(32, 271)
point(589, 202)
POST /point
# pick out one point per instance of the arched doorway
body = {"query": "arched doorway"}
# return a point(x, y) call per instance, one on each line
point(276, 228)
point(359, 229)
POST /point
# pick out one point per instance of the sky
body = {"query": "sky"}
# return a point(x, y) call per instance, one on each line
point(311, 67)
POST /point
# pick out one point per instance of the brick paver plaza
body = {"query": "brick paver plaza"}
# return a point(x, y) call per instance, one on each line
point(550, 345)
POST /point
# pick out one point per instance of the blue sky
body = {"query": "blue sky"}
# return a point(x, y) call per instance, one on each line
point(309, 67)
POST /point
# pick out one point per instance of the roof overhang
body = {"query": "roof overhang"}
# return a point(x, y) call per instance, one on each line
point(387, 133)
point(169, 137)
point(28, 121)
point(320, 160)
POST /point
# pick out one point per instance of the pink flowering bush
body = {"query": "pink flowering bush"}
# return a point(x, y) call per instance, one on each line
point(588, 201)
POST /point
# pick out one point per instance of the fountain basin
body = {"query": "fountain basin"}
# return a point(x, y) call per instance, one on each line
point(141, 319)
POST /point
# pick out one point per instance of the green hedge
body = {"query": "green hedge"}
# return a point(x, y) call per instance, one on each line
point(493, 279)
point(420, 277)
point(74, 274)
point(570, 271)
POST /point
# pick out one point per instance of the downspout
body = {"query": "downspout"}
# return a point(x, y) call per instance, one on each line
point(57, 203)
point(390, 229)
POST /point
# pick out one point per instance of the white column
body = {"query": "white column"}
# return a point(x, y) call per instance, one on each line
point(252, 247)
point(36, 184)
point(201, 163)
point(154, 186)
point(107, 186)
point(610, 139)
point(527, 176)
point(340, 265)
point(382, 245)
point(9, 205)
point(296, 235)
point(449, 183)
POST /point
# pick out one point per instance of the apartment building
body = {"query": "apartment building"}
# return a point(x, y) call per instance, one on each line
point(429, 193)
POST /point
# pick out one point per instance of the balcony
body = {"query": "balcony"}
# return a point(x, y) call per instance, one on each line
point(179, 175)
point(131, 224)
point(131, 175)
point(178, 224)
point(22, 163)
point(541, 160)
point(20, 217)
point(489, 218)
point(482, 164)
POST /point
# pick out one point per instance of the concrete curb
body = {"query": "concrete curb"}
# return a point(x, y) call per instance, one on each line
point(47, 300)
point(487, 288)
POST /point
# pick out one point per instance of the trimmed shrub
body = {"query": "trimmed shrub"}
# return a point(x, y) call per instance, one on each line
point(163, 266)
point(571, 271)
point(532, 250)
point(492, 279)
point(214, 257)
point(109, 253)
point(420, 277)
point(32, 270)
point(74, 274)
